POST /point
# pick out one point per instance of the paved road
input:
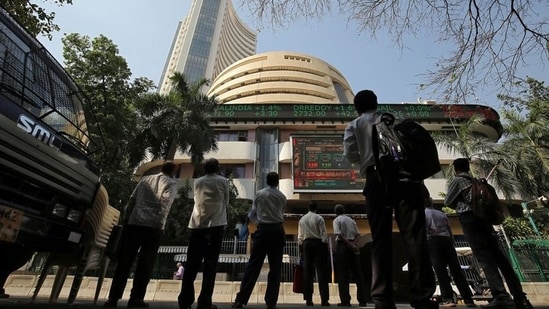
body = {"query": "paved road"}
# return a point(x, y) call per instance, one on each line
point(42, 303)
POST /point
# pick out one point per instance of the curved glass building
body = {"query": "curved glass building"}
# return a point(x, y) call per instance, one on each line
point(208, 40)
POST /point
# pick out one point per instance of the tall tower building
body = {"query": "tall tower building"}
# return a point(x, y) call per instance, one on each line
point(208, 40)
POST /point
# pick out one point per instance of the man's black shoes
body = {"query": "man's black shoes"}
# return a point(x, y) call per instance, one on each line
point(137, 303)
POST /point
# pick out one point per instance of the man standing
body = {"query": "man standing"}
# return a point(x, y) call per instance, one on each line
point(207, 222)
point(484, 243)
point(443, 254)
point(347, 258)
point(144, 219)
point(268, 241)
point(313, 241)
point(383, 195)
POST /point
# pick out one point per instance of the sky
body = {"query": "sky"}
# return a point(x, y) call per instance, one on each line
point(143, 30)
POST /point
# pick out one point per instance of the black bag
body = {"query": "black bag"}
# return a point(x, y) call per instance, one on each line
point(485, 201)
point(405, 149)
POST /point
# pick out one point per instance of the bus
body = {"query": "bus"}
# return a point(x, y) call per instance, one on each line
point(47, 177)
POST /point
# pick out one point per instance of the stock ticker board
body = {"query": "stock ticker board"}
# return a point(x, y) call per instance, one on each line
point(347, 111)
point(318, 165)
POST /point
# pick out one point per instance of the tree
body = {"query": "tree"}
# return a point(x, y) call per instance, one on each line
point(104, 77)
point(485, 155)
point(179, 120)
point(33, 17)
point(491, 38)
point(526, 137)
point(176, 231)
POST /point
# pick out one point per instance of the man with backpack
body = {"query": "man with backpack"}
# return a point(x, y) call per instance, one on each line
point(385, 193)
point(483, 241)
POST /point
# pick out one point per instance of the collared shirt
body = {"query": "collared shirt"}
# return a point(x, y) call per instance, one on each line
point(436, 223)
point(152, 199)
point(357, 140)
point(458, 195)
point(211, 199)
point(345, 226)
point(269, 205)
point(312, 226)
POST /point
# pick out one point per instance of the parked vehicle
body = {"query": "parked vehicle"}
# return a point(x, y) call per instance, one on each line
point(47, 179)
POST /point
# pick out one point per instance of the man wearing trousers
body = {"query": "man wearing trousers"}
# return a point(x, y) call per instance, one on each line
point(313, 240)
point(268, 241)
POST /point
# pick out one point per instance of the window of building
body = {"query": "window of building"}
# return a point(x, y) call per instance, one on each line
point(228, 136)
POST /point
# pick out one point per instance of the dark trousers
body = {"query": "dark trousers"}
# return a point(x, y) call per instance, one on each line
point(347, 263)
point(315, 257)
point(268, 241)
point(443, 253)
point(484, 243)
point(406, 201)
point(141, 242)
point(204, 248)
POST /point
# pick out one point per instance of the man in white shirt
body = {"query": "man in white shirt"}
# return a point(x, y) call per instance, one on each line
point(144, 220)
point(207, 223)
point(347, 258)
point(313, 242)
point(268, 241)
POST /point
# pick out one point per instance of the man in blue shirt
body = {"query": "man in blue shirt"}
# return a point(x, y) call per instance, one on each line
point(268, 241)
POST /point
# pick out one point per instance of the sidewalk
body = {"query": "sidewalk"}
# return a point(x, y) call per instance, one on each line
point(42, 303)
point(163, 294)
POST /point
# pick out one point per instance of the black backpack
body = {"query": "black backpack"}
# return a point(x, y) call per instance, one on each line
point(485, 201)
point(403, 149)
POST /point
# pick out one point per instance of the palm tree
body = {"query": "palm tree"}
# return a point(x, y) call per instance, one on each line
point(527, 138)
point(179, 120)
point(486, 156)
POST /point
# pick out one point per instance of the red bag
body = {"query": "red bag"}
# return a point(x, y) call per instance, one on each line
point(298, 279)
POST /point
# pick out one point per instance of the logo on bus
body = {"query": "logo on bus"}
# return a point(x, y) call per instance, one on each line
point(28, 125)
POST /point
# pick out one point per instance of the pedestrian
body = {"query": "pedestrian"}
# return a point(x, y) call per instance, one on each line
point(207, 223)
point(268, 241)
point(347, 258)
point(385, 194)
point(178, 274)
point(484, 243)
point(313, 243)
point(443, 256)
point(144, 219)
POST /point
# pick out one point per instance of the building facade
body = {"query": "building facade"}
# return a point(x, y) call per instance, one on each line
point(208, 40)
point(282, 77)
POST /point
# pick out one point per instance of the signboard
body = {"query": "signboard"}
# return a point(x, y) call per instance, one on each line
point(318, 165)
point(10, 223)
point(347, 111)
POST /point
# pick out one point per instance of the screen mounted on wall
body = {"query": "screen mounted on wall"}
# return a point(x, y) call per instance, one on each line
point(318, 165)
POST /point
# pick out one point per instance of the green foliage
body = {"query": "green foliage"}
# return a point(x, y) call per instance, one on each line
point(518, 228)
point(448, 210)
point(176, 231)
point(179, 120)
point(526, 138)
point(104, 77)
point(33, 17)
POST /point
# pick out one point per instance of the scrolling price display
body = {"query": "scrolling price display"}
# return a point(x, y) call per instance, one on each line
point(347, 111)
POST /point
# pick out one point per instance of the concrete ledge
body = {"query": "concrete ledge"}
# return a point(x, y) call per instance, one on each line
point(224, 292)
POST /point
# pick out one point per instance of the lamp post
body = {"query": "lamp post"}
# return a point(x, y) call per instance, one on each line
point(526, 211)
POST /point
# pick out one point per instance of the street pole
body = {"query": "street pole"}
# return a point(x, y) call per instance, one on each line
point(529, 217)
